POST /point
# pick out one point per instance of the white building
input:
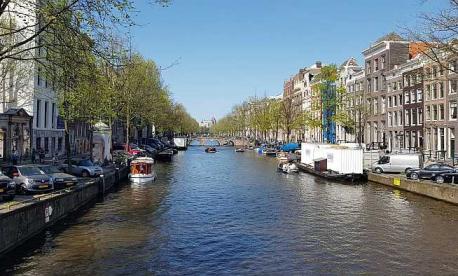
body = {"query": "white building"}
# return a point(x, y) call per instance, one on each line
point(30, 90)
point(311, 134)
point(350, 77)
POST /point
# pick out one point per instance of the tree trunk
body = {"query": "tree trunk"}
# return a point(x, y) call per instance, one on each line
point(68, 151)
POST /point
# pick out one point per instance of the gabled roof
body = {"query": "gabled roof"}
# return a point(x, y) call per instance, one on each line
point(16, 112)
point(349, 62)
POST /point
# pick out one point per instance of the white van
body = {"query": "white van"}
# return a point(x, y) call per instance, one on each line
point(397, 163)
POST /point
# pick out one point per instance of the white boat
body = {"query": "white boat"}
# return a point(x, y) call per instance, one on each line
point(181, 143)
point(141, 170)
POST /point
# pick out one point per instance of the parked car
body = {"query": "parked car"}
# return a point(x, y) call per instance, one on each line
point(430, 171)
point(7, 187)
point(84, 168)
point(29, 178)
point(397, 163)
point(447, 177)
point(61, 180)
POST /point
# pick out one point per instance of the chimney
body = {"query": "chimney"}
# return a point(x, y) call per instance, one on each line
point(318, 64)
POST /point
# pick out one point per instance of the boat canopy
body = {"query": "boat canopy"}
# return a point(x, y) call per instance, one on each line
point(290, 147)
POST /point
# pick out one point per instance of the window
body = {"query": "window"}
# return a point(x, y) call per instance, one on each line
point(400, 118)
point(418, 78)
point(406, 81)
point(428, 113)
point(407, 117)
point(368, 67)
point(428, 73)
point(46, 114)
point(400, 99)
point(53, 119)
point(38, 113)
point(376, 84)
point(389, 102)
point(395, 101)
point(411, 80)
point(375, 106)
point(453, 86)
point(419, 95)
point(414, 117)
point(453, 65)
point(383, 62)
point(420, 116)
point(407, 97)
point(383, 105)
point(39, 76)
point(434, 91)
point(441, 90)
point(384, 160)
point(395, 118)
point(435, 72)
point(441, 112)
point(434, 112)
point(412, 96)
point(390, 119)
point(376, 65)
point(453, 110)
point(427, 92)
point(46, 144)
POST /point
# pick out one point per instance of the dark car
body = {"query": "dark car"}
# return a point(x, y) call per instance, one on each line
point(430, 171)
point(7, 187)
point(61, 180)
point(447, 177)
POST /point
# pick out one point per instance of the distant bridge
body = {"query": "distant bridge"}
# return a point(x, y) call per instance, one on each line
point(215, 141)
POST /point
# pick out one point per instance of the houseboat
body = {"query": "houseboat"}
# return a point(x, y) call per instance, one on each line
point(141, 170)
point(181, 143)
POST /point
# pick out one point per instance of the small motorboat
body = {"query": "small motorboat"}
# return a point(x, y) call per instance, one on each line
point(287, 167)
point(141, 170)
point(210, 150)
point(165, 155)
point(270, 152)
point(240, 150)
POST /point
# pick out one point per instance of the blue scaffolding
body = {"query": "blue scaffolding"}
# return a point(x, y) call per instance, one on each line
point(328, 102)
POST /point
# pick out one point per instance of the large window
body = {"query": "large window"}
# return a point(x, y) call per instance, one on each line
point(453, 110)
point(420, 116)
point(441, 90)
point(407, 117)
point(441, 112)
point(434, 112)
point(428, 113)
point(407, 97)
point(46, 114)
point(414, 117)
point(37, 119)
point(434, 91)
point(453, 86)
point(427, 92)
point(419, 95)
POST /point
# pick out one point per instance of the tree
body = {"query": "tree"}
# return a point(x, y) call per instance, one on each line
point(437, 35)
point(97, 18)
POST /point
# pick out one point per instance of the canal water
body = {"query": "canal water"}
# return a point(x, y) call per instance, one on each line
point(232, 213)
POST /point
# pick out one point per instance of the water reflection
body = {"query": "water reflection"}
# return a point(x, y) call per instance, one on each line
point(232, 213)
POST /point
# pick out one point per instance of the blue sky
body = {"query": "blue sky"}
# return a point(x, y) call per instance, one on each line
point(230, 50)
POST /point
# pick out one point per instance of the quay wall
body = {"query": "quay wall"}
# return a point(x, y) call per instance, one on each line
point(445, 192)
point(27, 220)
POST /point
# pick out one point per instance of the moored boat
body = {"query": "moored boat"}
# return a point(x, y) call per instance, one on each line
point(240, 150)
point(181, 143)
point(210, 150)
point(141, 170)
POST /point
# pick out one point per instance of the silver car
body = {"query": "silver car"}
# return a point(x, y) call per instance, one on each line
point(84, 168)
point(29, 178)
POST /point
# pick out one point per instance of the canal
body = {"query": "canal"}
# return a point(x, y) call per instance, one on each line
point(232, 213)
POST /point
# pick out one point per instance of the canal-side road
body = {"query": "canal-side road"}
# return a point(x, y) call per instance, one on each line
point(232, 213)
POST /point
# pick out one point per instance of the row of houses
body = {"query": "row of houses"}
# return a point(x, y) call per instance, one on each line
point(399, 99)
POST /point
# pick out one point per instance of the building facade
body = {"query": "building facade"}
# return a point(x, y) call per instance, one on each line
point(379, 58)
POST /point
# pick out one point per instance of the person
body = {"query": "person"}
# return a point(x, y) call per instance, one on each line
point(54, 159)
point(14, 157)
point(41, 154)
